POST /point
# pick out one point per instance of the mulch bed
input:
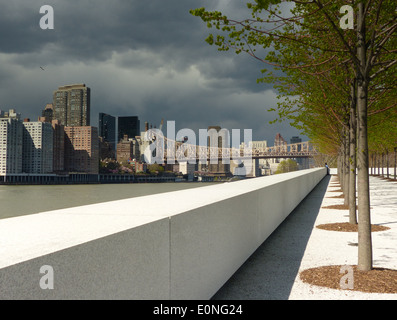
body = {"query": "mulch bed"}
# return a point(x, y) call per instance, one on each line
point(348, 227)
point(337, 206)
point(377, 280)
point(391, 177)
point(339, 197)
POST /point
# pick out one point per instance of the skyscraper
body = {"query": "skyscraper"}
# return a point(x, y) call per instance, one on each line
point(295, 139)
point(107, 128)
point(72, 104)
point(48, 112)
point(129, 126)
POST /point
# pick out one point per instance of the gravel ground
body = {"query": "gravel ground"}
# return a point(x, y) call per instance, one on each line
point(272, 272)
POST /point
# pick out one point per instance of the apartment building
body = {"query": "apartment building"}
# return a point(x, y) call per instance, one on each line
point(82, 149)
point(37, 148)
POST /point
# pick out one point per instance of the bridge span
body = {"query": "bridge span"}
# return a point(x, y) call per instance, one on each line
point(171, 151)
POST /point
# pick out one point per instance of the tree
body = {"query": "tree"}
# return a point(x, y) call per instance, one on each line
point(288, 165)
point(155, 168)
point(311, 43)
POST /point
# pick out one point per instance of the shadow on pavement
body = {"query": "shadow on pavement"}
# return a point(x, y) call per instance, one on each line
point(270, 272)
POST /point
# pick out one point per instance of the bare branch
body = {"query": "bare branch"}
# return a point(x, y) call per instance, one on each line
point(383, 69)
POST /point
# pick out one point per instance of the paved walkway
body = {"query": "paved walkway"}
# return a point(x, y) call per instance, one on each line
point(272, 272)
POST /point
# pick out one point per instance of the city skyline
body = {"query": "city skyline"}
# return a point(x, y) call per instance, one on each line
point(103, 118)
point(47, 148)
point(139, 60)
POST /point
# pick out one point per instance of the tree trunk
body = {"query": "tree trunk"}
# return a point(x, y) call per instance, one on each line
point(364, 215)
point(374, 164)
point(387, 164)
point(395, 163)
point(382, 165)
point(341, 167)
point(346, 175)
point(352, 162)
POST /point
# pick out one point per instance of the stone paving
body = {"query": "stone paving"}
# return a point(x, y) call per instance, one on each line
point(272, 272)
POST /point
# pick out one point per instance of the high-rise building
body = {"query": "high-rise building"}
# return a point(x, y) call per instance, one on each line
point(72, 105)
point(11, 133)
point(81, 149)
point(295, 139)
point(107, 128)
point(217, 138)
point(281, 144)
point(59, 146)
point(48, 112)
point(105, 150)
point(37, 149)
point(279, 141)
point(129, 126)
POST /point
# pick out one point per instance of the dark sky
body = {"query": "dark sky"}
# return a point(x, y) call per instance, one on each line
point(145, 58)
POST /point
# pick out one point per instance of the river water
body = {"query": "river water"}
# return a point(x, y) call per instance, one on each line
point(18, 200)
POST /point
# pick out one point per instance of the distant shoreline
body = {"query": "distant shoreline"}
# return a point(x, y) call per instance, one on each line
point(80, 178)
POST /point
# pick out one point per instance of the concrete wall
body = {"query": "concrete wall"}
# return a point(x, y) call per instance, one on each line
point(177, 245)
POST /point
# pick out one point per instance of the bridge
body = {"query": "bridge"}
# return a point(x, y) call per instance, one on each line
point(168, 151)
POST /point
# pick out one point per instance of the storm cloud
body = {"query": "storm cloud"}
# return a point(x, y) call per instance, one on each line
point(144, 58)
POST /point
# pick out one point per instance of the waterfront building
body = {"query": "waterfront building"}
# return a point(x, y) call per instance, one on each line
point(129, 126)
point(81, 149)
point(105, 150)
point(11, 133)
point(58, 143)
point(58, 146)
point(141, 144)
point(37, 148)
point(124, 150)
point(128, 149)
point(138, 166)
point(107, 129)
point(71, 104)
point(188, 169)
